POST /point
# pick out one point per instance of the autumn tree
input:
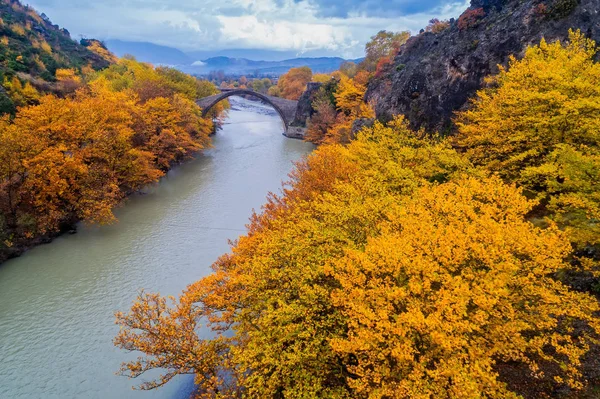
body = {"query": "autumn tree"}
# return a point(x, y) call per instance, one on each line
point(292, 84)
point(274, 91)
point(168, 124)
point(350, 104)
point(349, 68)
point(323, 119)
point(68, 80)
point(14, 149)
point(436, 301)
point(437, 26)
point(76, 158)
point(339, 102)
point(261, 85)
point(100, 49)
point(273, 287)
point(21, 94)
point(383, 46)
point(321, 77)
point(173, 130)
point(537, 126)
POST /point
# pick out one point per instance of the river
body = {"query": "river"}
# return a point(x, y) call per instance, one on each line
point(57, 301)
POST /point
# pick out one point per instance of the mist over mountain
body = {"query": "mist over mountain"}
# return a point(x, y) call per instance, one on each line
point(261, 54)
point(243, 66)
point(235, 62)
point(149, 52)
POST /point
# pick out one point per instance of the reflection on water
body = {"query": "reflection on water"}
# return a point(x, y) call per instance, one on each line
point(57, 301)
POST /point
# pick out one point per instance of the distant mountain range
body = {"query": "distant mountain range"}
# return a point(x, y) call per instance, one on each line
point(233, 62)
point(149, 52)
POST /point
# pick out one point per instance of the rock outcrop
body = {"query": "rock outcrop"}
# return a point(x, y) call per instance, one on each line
point(305, 109)
point(435, 74)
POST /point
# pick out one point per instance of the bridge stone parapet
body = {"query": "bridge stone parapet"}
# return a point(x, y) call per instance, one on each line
point(285, 108)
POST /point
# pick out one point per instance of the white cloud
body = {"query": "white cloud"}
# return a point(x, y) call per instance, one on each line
point(283, 35)
point(215, 24)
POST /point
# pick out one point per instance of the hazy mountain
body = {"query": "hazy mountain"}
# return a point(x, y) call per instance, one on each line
point(258, 54)
point(235, 62)
point(149, 52)
point(243, 66)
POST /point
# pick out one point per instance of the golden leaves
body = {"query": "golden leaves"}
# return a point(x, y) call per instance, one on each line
point(538, 126)
point(292, 84)
point(391, 267)
point(77, 157)
point(329, 127)
point(433, 301)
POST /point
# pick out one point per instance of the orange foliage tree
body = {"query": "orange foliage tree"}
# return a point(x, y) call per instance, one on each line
point(292, 84)
point(383, 45)
point(76, 158)
point(470, 18)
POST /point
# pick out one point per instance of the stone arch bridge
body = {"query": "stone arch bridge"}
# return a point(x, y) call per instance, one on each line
point(287, 109)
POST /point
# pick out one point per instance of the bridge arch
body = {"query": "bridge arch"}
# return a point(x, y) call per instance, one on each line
point(285, 108)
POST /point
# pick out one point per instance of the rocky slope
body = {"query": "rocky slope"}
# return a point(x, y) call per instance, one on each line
point(436, 73)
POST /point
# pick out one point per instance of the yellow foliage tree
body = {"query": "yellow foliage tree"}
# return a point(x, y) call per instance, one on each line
point(458, 282)
point(273, 287)
point(349, 98)
point(538, 126)
point(21, 94)
point(68, 80)
point(321, 77)
point(98, 48)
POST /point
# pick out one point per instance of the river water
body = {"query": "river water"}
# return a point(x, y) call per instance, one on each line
point(57, 302)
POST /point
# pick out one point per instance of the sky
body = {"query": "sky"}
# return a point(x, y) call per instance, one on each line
point(339, 28)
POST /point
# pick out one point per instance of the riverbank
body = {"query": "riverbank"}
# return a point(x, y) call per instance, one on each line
point(22, 245)
point(13, 244)
point(58, 300)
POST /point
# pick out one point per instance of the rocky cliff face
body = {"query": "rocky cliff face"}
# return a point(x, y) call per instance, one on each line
point(305, 109)
point(436, 73)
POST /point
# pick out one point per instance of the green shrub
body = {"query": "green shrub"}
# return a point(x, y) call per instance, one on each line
point(562, 8)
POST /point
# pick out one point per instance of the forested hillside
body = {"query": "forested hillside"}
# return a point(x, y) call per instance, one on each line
point(32, 49)
point(82, 129)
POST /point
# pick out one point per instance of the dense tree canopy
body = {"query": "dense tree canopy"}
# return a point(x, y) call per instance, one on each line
point(292, 84)
point(538, 126)
point(388, 268)
point(337, 105)
point(76, 158)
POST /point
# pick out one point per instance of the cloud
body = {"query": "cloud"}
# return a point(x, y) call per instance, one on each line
point(373, 8)
point(198, 63)
point(292, 25)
